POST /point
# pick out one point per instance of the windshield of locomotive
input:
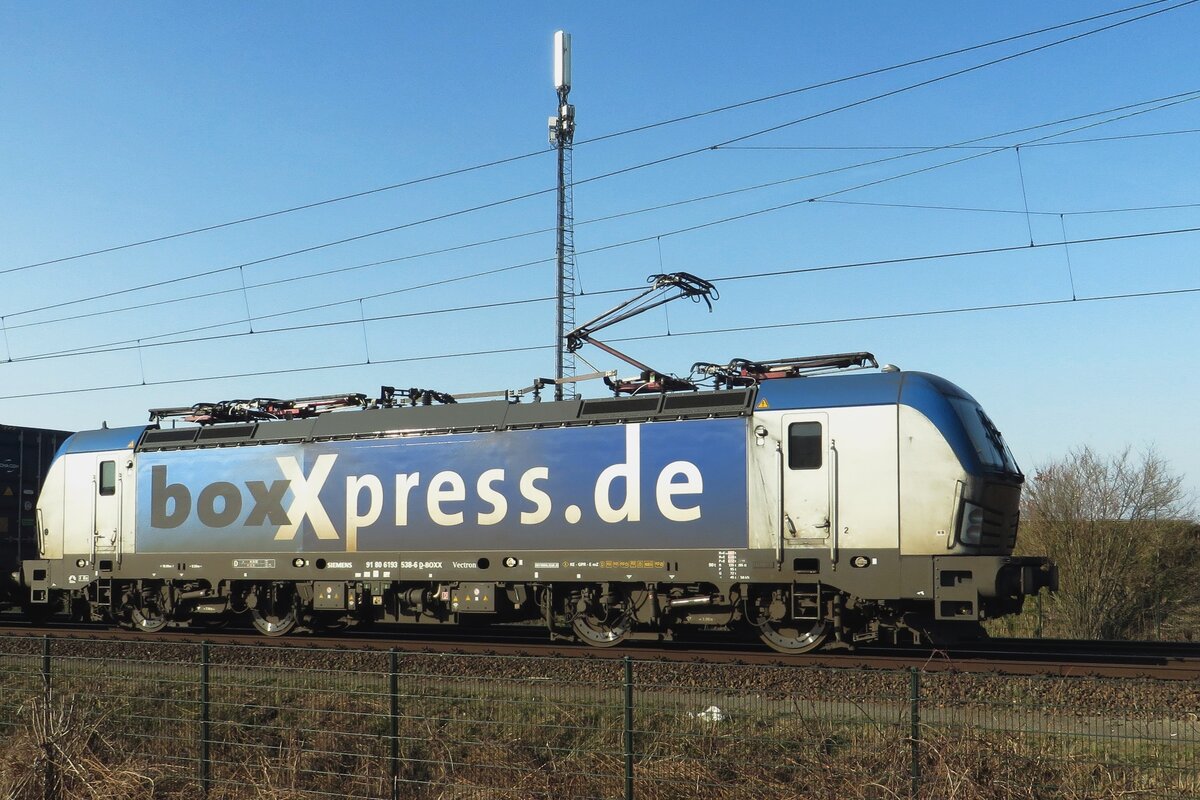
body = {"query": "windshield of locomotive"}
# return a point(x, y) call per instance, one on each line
point(985, 436)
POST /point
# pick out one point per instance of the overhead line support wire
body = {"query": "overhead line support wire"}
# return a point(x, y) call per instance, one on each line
point(122, 346)
point(917, 314)
point(269, 214)
point(930, 207)
point(362, 319)
point(1189, 97)
point(954, 74)
point(1067, 252)
point(300, 251)
point(1024, 194)
point(284, 371)
point(503, 269)
point(637, 129)
point(1166, 102)
point(291, 279)
point(839, 148)
point(511, 350)
point(957, 254)
point(873, 72)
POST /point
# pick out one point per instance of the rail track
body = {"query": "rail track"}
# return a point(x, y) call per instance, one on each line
point(1159, 660)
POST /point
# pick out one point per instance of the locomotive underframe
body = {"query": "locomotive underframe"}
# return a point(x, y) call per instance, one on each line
point(598, 597)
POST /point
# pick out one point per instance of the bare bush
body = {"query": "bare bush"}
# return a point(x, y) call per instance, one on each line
point(62, 751)
point(1121, 530)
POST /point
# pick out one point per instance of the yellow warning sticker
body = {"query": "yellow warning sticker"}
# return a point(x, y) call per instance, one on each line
point(8, 492)
point(763, 403)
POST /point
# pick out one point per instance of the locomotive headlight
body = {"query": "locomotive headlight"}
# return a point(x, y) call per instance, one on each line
point(971, 529)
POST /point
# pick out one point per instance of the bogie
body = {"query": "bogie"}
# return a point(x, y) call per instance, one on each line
point(791, 618)
point(601, 616)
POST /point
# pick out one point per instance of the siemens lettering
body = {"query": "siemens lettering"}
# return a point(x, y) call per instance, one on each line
point(417, 492)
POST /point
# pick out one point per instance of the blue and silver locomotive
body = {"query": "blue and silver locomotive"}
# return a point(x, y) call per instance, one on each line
point(808, 507)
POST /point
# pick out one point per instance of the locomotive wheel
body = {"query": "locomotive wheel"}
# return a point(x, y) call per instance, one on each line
point(600, 632)
point(144, 609)
point(794, 637)
point(147, 619)
point(273, 609)
point(270, 623)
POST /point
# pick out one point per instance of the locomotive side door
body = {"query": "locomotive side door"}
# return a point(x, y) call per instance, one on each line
point(808, 467)
point(106, 508)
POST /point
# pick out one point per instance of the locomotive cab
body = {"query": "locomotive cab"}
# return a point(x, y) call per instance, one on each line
point(960, 484)
point(897, 489)
point(84, 507)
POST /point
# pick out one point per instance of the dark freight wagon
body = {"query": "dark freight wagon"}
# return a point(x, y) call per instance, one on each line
point(25, 455)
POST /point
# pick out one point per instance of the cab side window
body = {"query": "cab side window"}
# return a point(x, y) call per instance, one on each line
point(804, 445)
point(108, 477)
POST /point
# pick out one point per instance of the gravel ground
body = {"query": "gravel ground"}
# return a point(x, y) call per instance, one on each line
point(1061, 696)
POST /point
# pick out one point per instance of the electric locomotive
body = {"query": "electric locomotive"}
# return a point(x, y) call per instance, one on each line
point(812, 501)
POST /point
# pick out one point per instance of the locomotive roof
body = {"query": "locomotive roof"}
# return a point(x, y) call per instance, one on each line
point(460, 417)
point(102, 440)
point(860, 389)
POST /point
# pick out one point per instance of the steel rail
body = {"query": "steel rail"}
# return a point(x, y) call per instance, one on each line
point(1068, 658)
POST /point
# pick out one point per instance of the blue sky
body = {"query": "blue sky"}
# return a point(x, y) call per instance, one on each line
point(127, 122)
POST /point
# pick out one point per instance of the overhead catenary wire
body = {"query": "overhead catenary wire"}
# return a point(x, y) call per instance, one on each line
point(362, 319)
point(1016, 146)
point(1078, 213)
point(144, 342)
point(1165, 101)
point(604, 137)
point(271, 214)
point(299, 251)
point(875, 97)
point(954, 74)
point(810, 199)
point(886, 179)
point(644, 337)
point(957, 254)
point(1089, 140)
point(1155, 104)
point(359, 300)
point(869, 73)
point(291, 279)
point(917, 314)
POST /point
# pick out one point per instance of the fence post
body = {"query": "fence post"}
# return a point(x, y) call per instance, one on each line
point(915, 735)
point(628, 728)
point(50, 789)
point(205, 722)
point(394, 719)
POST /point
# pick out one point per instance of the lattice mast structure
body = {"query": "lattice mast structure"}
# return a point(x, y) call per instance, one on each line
point(562, 134)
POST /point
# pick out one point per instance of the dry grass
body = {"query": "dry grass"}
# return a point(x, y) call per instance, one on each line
point(58, 750)
point(531, 729)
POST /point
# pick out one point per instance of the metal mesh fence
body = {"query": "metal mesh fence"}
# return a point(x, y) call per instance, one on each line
point(97, 718)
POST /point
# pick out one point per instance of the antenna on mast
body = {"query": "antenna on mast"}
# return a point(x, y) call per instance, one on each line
point(562, 134)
